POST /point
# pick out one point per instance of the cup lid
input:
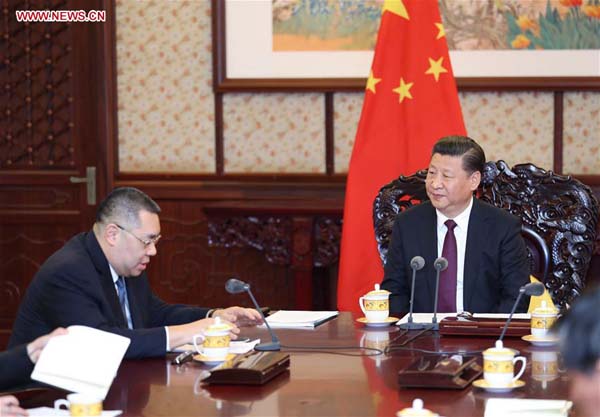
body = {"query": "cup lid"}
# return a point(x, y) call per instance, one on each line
point(499, 349)
point(377, 291)
point(545, 309)
point(416, 410)
point(218, 326)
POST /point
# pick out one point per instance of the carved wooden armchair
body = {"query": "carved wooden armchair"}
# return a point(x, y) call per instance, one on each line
point(559, 215)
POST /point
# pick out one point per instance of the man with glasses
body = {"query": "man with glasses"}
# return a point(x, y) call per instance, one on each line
point(98, 279)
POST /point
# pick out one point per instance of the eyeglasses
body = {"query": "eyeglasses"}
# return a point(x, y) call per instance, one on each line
point(145, 242)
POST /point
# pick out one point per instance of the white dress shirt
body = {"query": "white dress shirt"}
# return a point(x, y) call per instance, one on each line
point(460, 232)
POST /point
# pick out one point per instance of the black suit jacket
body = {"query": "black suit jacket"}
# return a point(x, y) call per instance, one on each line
point(74, 286)
point(495, 267)
point(16, 367)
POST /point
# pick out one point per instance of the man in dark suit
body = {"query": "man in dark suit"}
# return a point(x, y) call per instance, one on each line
point(97, 279)
point(487, 258)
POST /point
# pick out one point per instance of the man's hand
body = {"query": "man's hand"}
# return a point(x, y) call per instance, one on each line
point(239, 316)
point(9, 407)
point(34, 349)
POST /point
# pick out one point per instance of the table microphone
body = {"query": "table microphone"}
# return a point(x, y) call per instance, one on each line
point(417, 263)
point(235, 286)
point(534, 288)
point(439, 264)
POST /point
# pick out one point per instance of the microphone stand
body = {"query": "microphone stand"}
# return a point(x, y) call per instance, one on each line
point(439, 266)
point(268, 346)
point(410, 325)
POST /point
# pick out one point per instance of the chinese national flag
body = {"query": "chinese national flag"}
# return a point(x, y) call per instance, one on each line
point(410, 102)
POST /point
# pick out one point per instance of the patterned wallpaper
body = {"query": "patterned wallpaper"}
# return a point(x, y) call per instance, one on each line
point(164, 86)
point(166, 109)
point(274, 133)
point(515, 127)
point(581, 153)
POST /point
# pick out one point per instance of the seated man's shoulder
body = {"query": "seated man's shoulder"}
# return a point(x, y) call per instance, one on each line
point(71, 256)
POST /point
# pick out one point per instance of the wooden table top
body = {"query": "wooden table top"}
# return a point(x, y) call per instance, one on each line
point(325, 384)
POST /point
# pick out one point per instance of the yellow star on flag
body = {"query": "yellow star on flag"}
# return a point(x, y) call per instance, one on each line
point(436, 68)
point(372, 82)
point(397, 7)
point(403, 90)
point(442, 31)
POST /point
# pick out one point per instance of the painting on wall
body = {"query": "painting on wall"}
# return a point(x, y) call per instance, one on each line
point(331, 25)
point(269, 42)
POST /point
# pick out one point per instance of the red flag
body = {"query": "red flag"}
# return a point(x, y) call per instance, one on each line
point(410, 102)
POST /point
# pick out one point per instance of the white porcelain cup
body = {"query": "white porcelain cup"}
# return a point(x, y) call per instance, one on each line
point(214, 342)
point(80, 405)
point(375, 304)
point(542, 319)
point(499, 365)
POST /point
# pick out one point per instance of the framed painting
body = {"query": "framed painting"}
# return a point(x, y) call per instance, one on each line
point(253, 52)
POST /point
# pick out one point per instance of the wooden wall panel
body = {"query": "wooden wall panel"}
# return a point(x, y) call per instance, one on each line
point(186, 270)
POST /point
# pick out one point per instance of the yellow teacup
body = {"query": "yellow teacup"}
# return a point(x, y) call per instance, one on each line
point(499, 365)
point(215, 341)
point(375, 304)
point(80, 405)
point(542, 319)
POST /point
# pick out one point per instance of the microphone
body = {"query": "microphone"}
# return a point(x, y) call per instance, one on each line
point(235, 286)
point(417, 263)
point(534, 288)
point(439, 264)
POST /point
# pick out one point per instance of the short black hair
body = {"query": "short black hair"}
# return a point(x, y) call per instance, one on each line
point(579, 331)
point(473, 157)
point(123, 205)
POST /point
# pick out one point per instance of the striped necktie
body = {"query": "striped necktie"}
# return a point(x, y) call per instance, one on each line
point(122, 289)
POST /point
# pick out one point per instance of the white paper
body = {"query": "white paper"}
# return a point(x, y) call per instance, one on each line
point(501, 407)
point(85, 360)
point(51, 412)
point(298, 318)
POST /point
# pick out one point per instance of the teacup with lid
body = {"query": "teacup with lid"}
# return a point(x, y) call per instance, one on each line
point(375, 304)
point(215, 341)
point(542, 319)
point(499, 365)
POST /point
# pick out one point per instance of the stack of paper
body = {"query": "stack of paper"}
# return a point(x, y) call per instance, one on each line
point(85, 360)
point(295, 319)
point(507, 407)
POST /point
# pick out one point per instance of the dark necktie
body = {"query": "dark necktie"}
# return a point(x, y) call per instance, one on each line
point(122, 289)
point(447, 294)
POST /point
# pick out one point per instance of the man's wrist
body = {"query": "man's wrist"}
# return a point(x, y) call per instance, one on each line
point(211, 312)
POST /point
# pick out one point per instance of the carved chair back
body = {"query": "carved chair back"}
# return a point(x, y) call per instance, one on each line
point(559, 216)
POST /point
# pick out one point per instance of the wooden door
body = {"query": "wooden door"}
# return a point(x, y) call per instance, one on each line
point(54, 129)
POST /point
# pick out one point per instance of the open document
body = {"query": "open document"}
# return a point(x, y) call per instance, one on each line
point(296, 318)
point(85, 360)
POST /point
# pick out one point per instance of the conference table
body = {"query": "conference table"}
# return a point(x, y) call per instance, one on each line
point(325, 381)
